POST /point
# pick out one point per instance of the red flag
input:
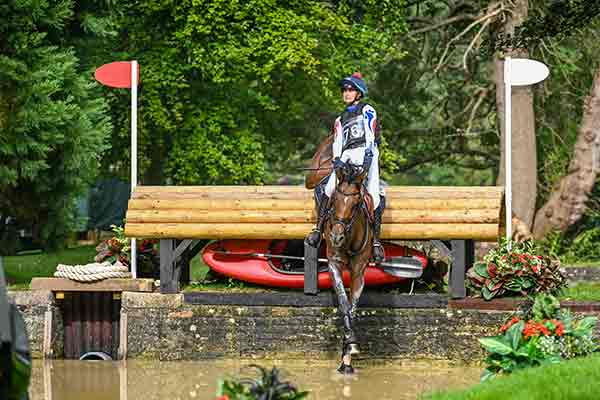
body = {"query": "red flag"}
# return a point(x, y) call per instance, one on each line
point(116, 74)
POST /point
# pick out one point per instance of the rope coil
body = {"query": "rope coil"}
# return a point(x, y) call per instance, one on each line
point(92, 272)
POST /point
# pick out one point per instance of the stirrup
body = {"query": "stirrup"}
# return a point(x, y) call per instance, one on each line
point(378, 251)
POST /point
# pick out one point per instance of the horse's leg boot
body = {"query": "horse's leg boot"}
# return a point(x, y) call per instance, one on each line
point(345, 369)
point(350, 340)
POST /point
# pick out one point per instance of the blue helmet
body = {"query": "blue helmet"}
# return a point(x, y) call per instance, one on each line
point(355, 81)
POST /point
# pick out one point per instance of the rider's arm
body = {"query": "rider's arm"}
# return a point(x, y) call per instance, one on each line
point(371, 128)
point(337, 140)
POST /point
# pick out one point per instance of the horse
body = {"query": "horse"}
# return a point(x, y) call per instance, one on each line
point(349, 239)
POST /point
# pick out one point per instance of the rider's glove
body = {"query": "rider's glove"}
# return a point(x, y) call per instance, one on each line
point(337, 163)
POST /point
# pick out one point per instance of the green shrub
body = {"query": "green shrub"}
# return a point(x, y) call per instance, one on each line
point(544, 334)
point(519, 271)
point(268, 386)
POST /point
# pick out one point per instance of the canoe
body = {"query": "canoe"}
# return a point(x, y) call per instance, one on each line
point(287, 273)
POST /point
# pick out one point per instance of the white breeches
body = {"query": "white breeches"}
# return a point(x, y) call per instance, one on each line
point(356, 156)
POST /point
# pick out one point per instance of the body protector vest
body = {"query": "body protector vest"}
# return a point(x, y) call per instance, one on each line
point(353, 128)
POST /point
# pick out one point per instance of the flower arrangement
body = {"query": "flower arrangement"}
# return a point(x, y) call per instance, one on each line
point(268, 386)
point(518, 272)
point(544, 334)
point(117, 248)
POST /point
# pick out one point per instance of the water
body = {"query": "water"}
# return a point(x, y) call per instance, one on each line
point(153, 380)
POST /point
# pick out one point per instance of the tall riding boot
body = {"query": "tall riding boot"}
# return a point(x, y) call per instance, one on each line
point(314, 237)
point(378, 252)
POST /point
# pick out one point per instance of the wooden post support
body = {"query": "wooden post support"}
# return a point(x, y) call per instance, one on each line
point(310, 269)
point(167, 268)
point(463, 256)
point(47, 343)
point(122, 351)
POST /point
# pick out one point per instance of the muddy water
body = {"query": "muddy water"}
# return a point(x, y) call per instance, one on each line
point(140, 380)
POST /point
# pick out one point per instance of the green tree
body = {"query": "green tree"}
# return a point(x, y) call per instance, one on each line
point(53, 123)
point(237, 92)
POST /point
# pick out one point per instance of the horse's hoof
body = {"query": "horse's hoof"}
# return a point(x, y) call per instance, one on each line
point(345, 369)
point(352, 348)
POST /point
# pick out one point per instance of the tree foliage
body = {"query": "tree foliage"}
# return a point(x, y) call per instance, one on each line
point(53, 124)
point(233, 92)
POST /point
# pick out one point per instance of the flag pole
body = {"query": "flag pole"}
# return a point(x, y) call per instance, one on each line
point(508, 149)
point(134, 85)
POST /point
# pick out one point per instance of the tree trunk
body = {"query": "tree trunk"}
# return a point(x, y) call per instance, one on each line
point(524, 158)
point(566, 204)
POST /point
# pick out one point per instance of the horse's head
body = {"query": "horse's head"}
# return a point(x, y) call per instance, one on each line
point(347, 198)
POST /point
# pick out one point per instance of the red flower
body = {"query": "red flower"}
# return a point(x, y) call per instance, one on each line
point(510, 323)
point(533, 328)
point(559, 327)
point(224, 397)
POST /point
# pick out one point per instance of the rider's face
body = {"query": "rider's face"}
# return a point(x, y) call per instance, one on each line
point(349, 95)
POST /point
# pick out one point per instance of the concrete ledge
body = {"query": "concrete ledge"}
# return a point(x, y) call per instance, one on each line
point(29, 298)
point(581, 274)
point(151, 300)
point(107, 285)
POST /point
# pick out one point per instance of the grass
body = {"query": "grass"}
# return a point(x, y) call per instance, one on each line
point(581, 264)
point(583, 291)
point(20, 269)
point(574, 379)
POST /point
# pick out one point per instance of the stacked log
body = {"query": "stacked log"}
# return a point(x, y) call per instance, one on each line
point(287, 212)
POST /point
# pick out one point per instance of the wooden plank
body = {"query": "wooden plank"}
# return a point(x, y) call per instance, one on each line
point(323, 299)
point(501, 304)
point(485, 216)
point(307, 204)
point(308, 195)
point(222, 204)
point(512, 303)
point(292, 190)
point(485, 232)
point(107, 285)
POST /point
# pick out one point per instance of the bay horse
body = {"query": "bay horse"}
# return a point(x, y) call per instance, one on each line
point(349, 237)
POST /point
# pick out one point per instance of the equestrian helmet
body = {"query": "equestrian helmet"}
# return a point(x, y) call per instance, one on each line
point(355, 81)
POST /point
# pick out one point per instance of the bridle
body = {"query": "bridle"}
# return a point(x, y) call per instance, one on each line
point(348, 223)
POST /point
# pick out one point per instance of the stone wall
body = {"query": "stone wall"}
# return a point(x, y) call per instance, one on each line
point(171, 327)
point(33, 306)
point(165, 327)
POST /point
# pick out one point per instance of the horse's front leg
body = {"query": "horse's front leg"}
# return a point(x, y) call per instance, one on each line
point(357, 284)
point(349, 343)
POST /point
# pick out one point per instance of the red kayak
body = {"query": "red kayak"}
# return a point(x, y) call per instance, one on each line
point(287, 273)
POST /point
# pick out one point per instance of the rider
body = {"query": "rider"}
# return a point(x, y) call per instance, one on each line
point(356, 138)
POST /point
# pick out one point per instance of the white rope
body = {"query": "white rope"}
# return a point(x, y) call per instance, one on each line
point(92, 272)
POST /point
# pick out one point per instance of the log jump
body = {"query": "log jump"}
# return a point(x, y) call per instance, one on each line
point(184, 217)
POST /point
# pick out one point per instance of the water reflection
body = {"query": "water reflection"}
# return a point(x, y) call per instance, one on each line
point(140, 380)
